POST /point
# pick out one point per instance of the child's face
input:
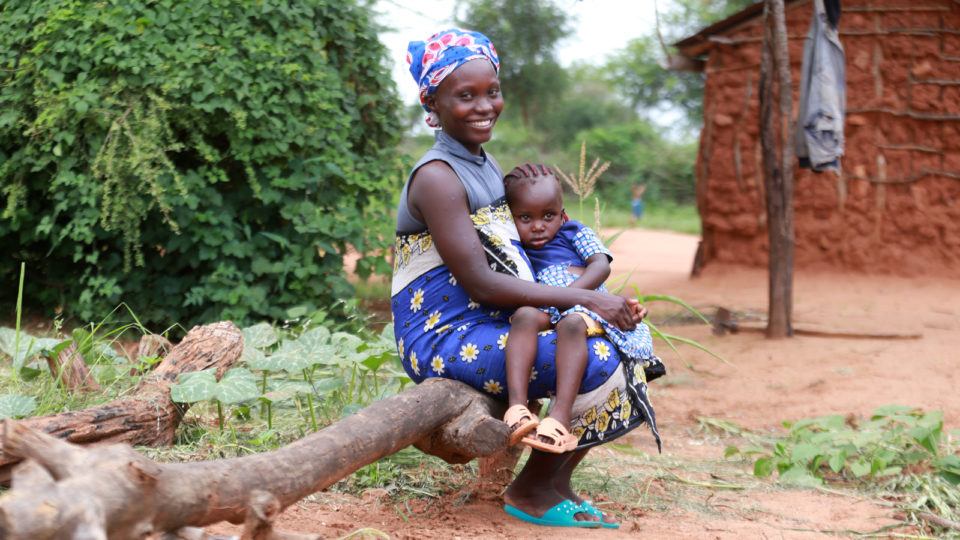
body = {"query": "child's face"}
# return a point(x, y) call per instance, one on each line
point(538, 211)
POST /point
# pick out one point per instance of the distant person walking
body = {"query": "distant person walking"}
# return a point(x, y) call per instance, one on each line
point(636, 202)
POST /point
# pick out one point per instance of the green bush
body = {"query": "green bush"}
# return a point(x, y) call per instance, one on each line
point(196, 160)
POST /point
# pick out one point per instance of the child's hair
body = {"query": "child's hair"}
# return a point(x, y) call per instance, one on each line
point(526, 175)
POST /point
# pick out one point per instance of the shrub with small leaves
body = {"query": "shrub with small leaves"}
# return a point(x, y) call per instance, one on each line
point(196, 160)
point(893, 440)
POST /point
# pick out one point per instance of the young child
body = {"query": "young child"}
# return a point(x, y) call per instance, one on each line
point(563, 253)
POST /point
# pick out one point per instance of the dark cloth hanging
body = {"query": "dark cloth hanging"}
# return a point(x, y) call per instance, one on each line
point(833, 12)
point(819, 132)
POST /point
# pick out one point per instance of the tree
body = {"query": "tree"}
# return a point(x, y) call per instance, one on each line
point(639, 73)
point(639, 70)
point(776, 133)
point(589, 102)
point(525, 33)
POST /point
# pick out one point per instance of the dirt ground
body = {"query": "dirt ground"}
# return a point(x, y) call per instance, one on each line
point(772, 381)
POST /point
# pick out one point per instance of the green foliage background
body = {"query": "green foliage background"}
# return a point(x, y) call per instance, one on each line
point(196, 160)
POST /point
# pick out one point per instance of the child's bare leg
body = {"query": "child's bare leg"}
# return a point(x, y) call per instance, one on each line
point(521, 350)
point(571, 362)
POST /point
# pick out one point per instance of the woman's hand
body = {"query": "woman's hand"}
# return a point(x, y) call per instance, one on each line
point(624, 313)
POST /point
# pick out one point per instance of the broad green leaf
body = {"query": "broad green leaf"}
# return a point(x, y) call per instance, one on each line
point(194, 387)
point(927, 437)
point(296, 312)
point(803, 453)
point(317, 352)
point(264, 363)
point(7, 338)
point(237, 385)
point(16, 406)
point(798, 475)
point(890, 410)
point(374, 362)
point(325, 386)
point(952, 477)
point(889, 471)
point(30, 347)
point(252, 356)
point(259, 336)
point(860, 468)
point(730, 451)
point(345, 343)
point(289, 388)
point(837, 461)
point(387, 333)
point(291, 358)
point(763, 467)
point(314, 338)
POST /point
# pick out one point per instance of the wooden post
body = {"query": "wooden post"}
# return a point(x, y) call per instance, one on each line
point(776, 134)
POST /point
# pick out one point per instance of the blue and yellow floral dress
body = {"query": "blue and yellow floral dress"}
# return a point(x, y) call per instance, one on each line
point(442, 332)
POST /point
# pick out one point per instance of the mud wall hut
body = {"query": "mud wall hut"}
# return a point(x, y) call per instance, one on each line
point(895, 206)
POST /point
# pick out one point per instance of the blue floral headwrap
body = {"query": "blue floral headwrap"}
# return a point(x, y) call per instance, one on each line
point(440, 55)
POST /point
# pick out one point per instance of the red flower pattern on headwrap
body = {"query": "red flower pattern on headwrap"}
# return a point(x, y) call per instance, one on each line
point(433, 60)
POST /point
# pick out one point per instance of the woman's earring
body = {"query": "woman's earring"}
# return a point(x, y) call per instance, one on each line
point(432, 119)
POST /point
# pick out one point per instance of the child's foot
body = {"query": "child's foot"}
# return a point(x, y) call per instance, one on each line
point(552, 437)
point(521, 422)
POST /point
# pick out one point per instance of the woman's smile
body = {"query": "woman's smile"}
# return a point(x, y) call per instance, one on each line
point(483, 124)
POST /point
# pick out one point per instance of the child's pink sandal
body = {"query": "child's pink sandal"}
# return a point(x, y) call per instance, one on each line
point(521, 422)
point(559, 440)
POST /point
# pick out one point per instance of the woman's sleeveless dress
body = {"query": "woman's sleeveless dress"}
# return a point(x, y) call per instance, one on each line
point(442, 332)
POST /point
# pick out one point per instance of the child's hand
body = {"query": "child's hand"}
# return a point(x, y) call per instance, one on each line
point(639, 312)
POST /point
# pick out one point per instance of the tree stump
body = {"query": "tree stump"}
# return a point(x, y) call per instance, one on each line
point(147, 416)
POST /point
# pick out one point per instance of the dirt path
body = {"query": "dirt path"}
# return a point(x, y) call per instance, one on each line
point(772, 381)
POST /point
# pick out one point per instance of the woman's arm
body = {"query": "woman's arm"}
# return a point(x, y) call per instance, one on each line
point(595, 273)
point(437, 196)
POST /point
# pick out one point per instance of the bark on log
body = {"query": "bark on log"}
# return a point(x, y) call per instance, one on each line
point(153, 345)
point(69, 368)
point(123, 493)
point(147, 416)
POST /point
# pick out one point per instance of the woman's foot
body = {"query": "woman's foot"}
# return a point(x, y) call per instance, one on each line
point(567, 493)
point(537, 501)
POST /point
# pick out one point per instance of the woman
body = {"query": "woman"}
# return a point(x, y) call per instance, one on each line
point(459, 273)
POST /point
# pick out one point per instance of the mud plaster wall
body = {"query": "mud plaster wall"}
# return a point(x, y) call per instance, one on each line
point(895, 208)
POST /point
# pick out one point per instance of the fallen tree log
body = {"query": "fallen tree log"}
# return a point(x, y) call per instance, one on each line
point(112, 491)
point(147, 416)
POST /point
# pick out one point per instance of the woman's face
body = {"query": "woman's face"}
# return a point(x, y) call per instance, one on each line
point(468, 103)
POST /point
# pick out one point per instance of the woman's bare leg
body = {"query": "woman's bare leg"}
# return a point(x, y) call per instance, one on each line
point(521, 350)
